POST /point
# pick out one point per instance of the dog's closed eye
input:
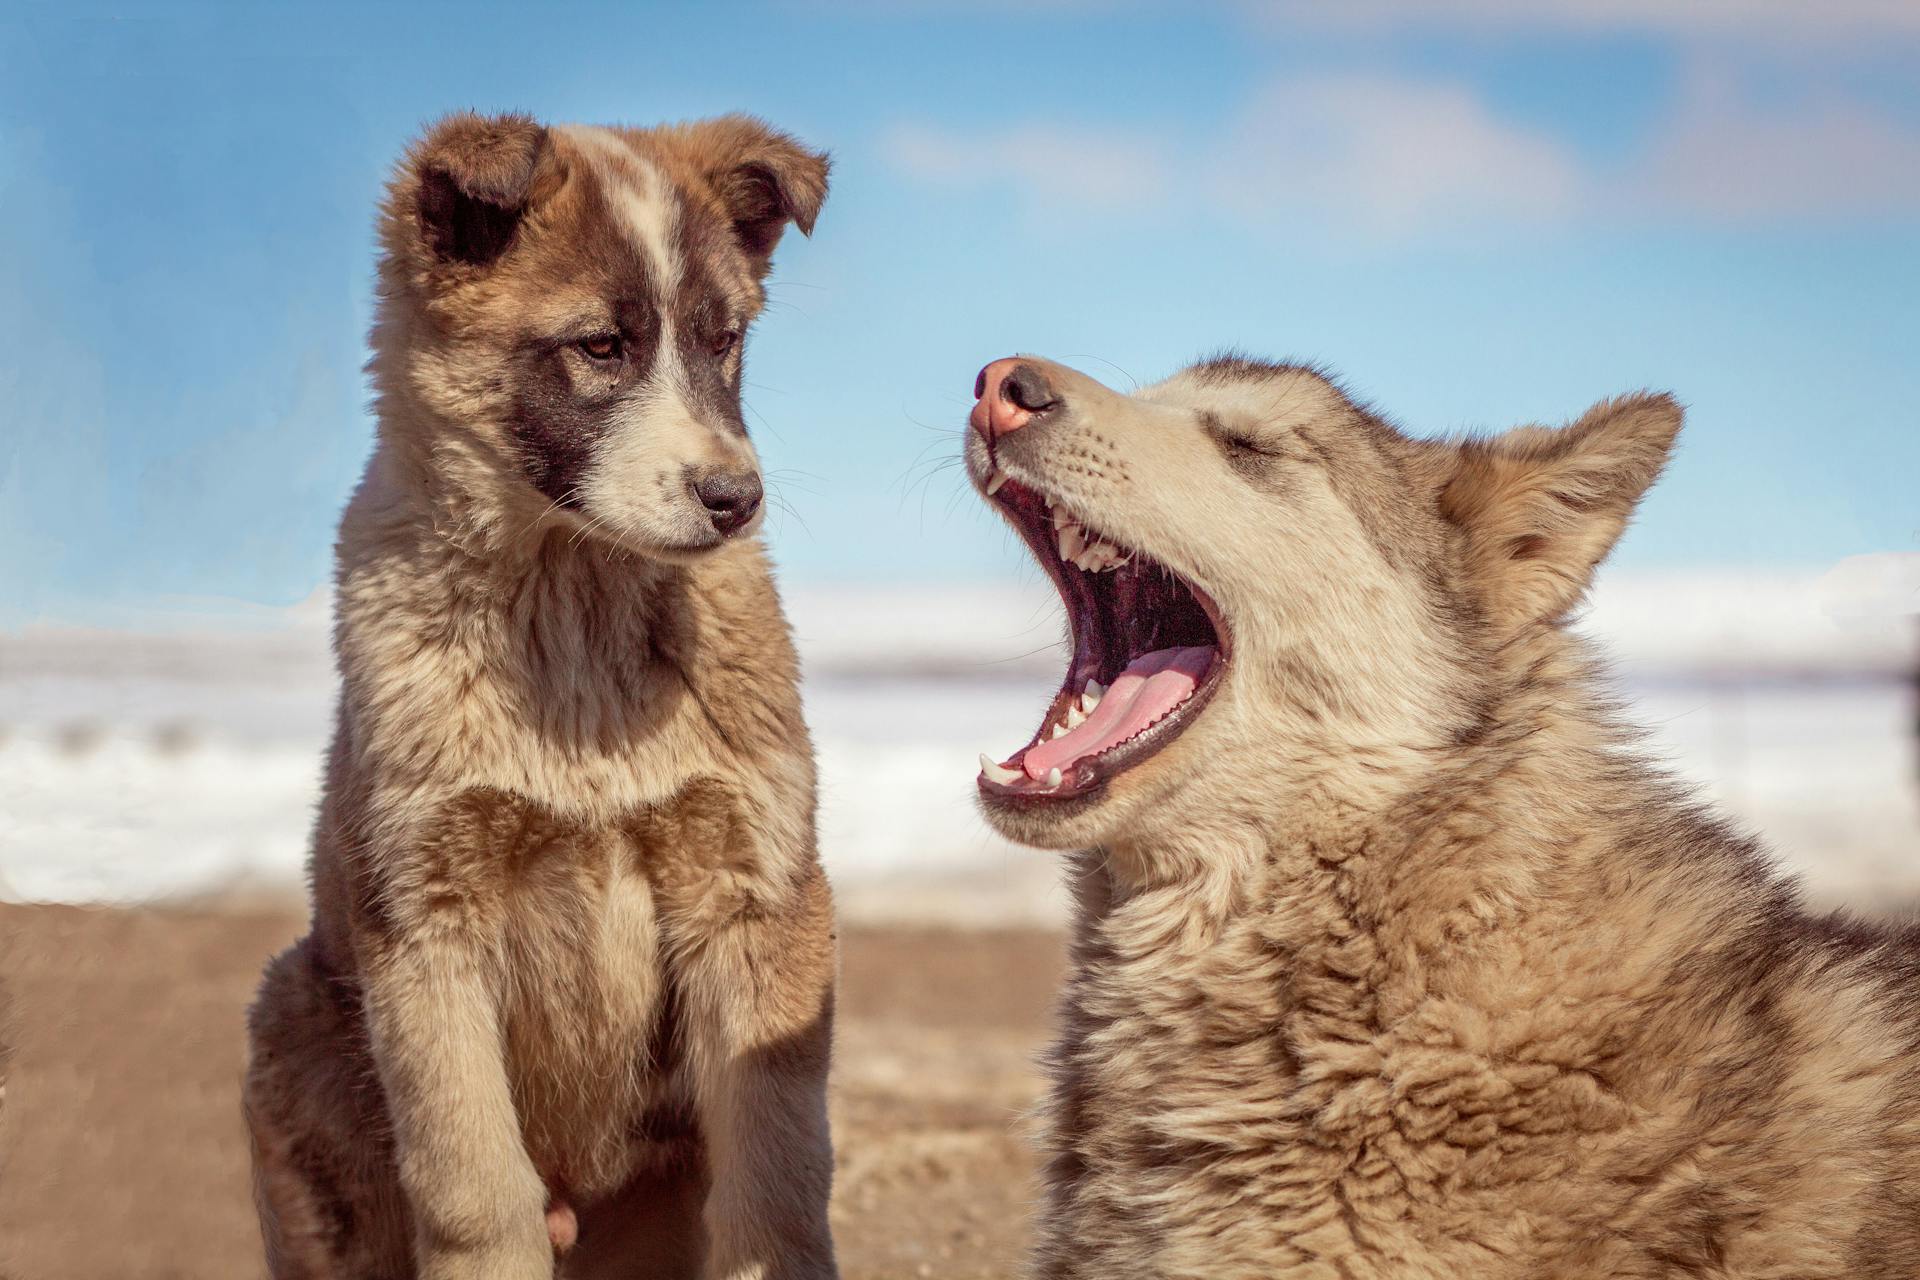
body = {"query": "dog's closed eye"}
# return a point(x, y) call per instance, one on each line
point(1251, 451)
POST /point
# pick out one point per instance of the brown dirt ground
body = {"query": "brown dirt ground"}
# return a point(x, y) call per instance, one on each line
point(122, 1153)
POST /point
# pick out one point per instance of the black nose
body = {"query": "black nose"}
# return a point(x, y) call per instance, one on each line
point(1026, 389)
point(730, 497)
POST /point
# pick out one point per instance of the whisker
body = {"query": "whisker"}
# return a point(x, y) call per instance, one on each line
point(549, 511)
point(1111, 365)
point(764, 422)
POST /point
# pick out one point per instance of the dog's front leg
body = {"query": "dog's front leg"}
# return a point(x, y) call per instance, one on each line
point(477, 1204)
point(757, 987)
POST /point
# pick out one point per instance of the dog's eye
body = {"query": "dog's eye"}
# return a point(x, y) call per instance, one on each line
point(601, 346)
point(724, 341)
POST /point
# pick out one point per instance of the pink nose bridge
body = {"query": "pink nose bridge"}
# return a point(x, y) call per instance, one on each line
point(995, 413)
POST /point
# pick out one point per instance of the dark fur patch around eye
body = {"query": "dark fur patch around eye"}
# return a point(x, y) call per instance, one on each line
point(703, 307)
point(556, 427)
point(1254, 460)
point(559, 417)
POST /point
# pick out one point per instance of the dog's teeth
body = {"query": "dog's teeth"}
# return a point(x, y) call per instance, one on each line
point(1072, 542)
point(1059, 730)
point(1060, 518)
point(995, 480)
point(1075, 716)
point(1000, 774)
point(1090, 698)
point(1053, 777)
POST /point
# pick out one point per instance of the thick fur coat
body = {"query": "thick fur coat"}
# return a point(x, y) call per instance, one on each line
point(1399, 962)
point(567, 995)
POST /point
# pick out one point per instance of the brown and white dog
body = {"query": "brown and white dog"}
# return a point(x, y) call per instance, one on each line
point(1393, 960)
point(568, 987)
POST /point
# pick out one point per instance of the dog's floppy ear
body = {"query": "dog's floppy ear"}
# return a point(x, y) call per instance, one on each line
point(474, 180)
point(1541, 507)
point(763, 178)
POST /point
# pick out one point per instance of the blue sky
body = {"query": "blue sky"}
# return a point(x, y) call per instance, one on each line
point(1479, 212)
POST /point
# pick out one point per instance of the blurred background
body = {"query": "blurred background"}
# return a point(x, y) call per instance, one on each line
point(1476, 212)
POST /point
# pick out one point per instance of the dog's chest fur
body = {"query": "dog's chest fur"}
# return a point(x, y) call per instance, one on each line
point(592, 685)
point(590, 1030)
point(1625, 1078)
point(593, 764)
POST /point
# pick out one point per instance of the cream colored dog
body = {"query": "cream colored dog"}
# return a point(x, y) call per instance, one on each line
point(569, 984)
point(1392, 960)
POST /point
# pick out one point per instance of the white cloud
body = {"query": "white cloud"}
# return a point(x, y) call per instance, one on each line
point(1036, 163)
point(1394, 154)
point(1820, 22)
point(1727, 157)
point(1397, 156)
point(1825, 21)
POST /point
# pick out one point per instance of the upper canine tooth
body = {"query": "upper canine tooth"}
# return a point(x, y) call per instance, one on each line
point(1072, 542)
point(1000, 774)
point(1091, 694)
point(1060, 518)
point(995, 480)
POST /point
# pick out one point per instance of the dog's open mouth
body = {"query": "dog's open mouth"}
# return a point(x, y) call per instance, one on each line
point(1148, 652)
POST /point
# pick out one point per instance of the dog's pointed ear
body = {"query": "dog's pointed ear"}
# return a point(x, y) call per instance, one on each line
point(762, 178)
point(1542, 507)
point(473, 180)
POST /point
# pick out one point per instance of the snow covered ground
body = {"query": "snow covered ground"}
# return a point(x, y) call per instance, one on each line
point(152, 766)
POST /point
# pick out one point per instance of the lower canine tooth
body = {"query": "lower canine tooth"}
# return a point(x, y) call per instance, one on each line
point(1053, 777)
point(994, 482)
point(999, 773)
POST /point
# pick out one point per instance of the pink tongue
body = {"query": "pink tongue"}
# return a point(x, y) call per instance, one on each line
point(1152, 685)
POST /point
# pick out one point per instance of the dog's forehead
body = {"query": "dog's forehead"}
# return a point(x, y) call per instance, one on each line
point(1295, 393)
point(644, 220)
point(642, 204)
